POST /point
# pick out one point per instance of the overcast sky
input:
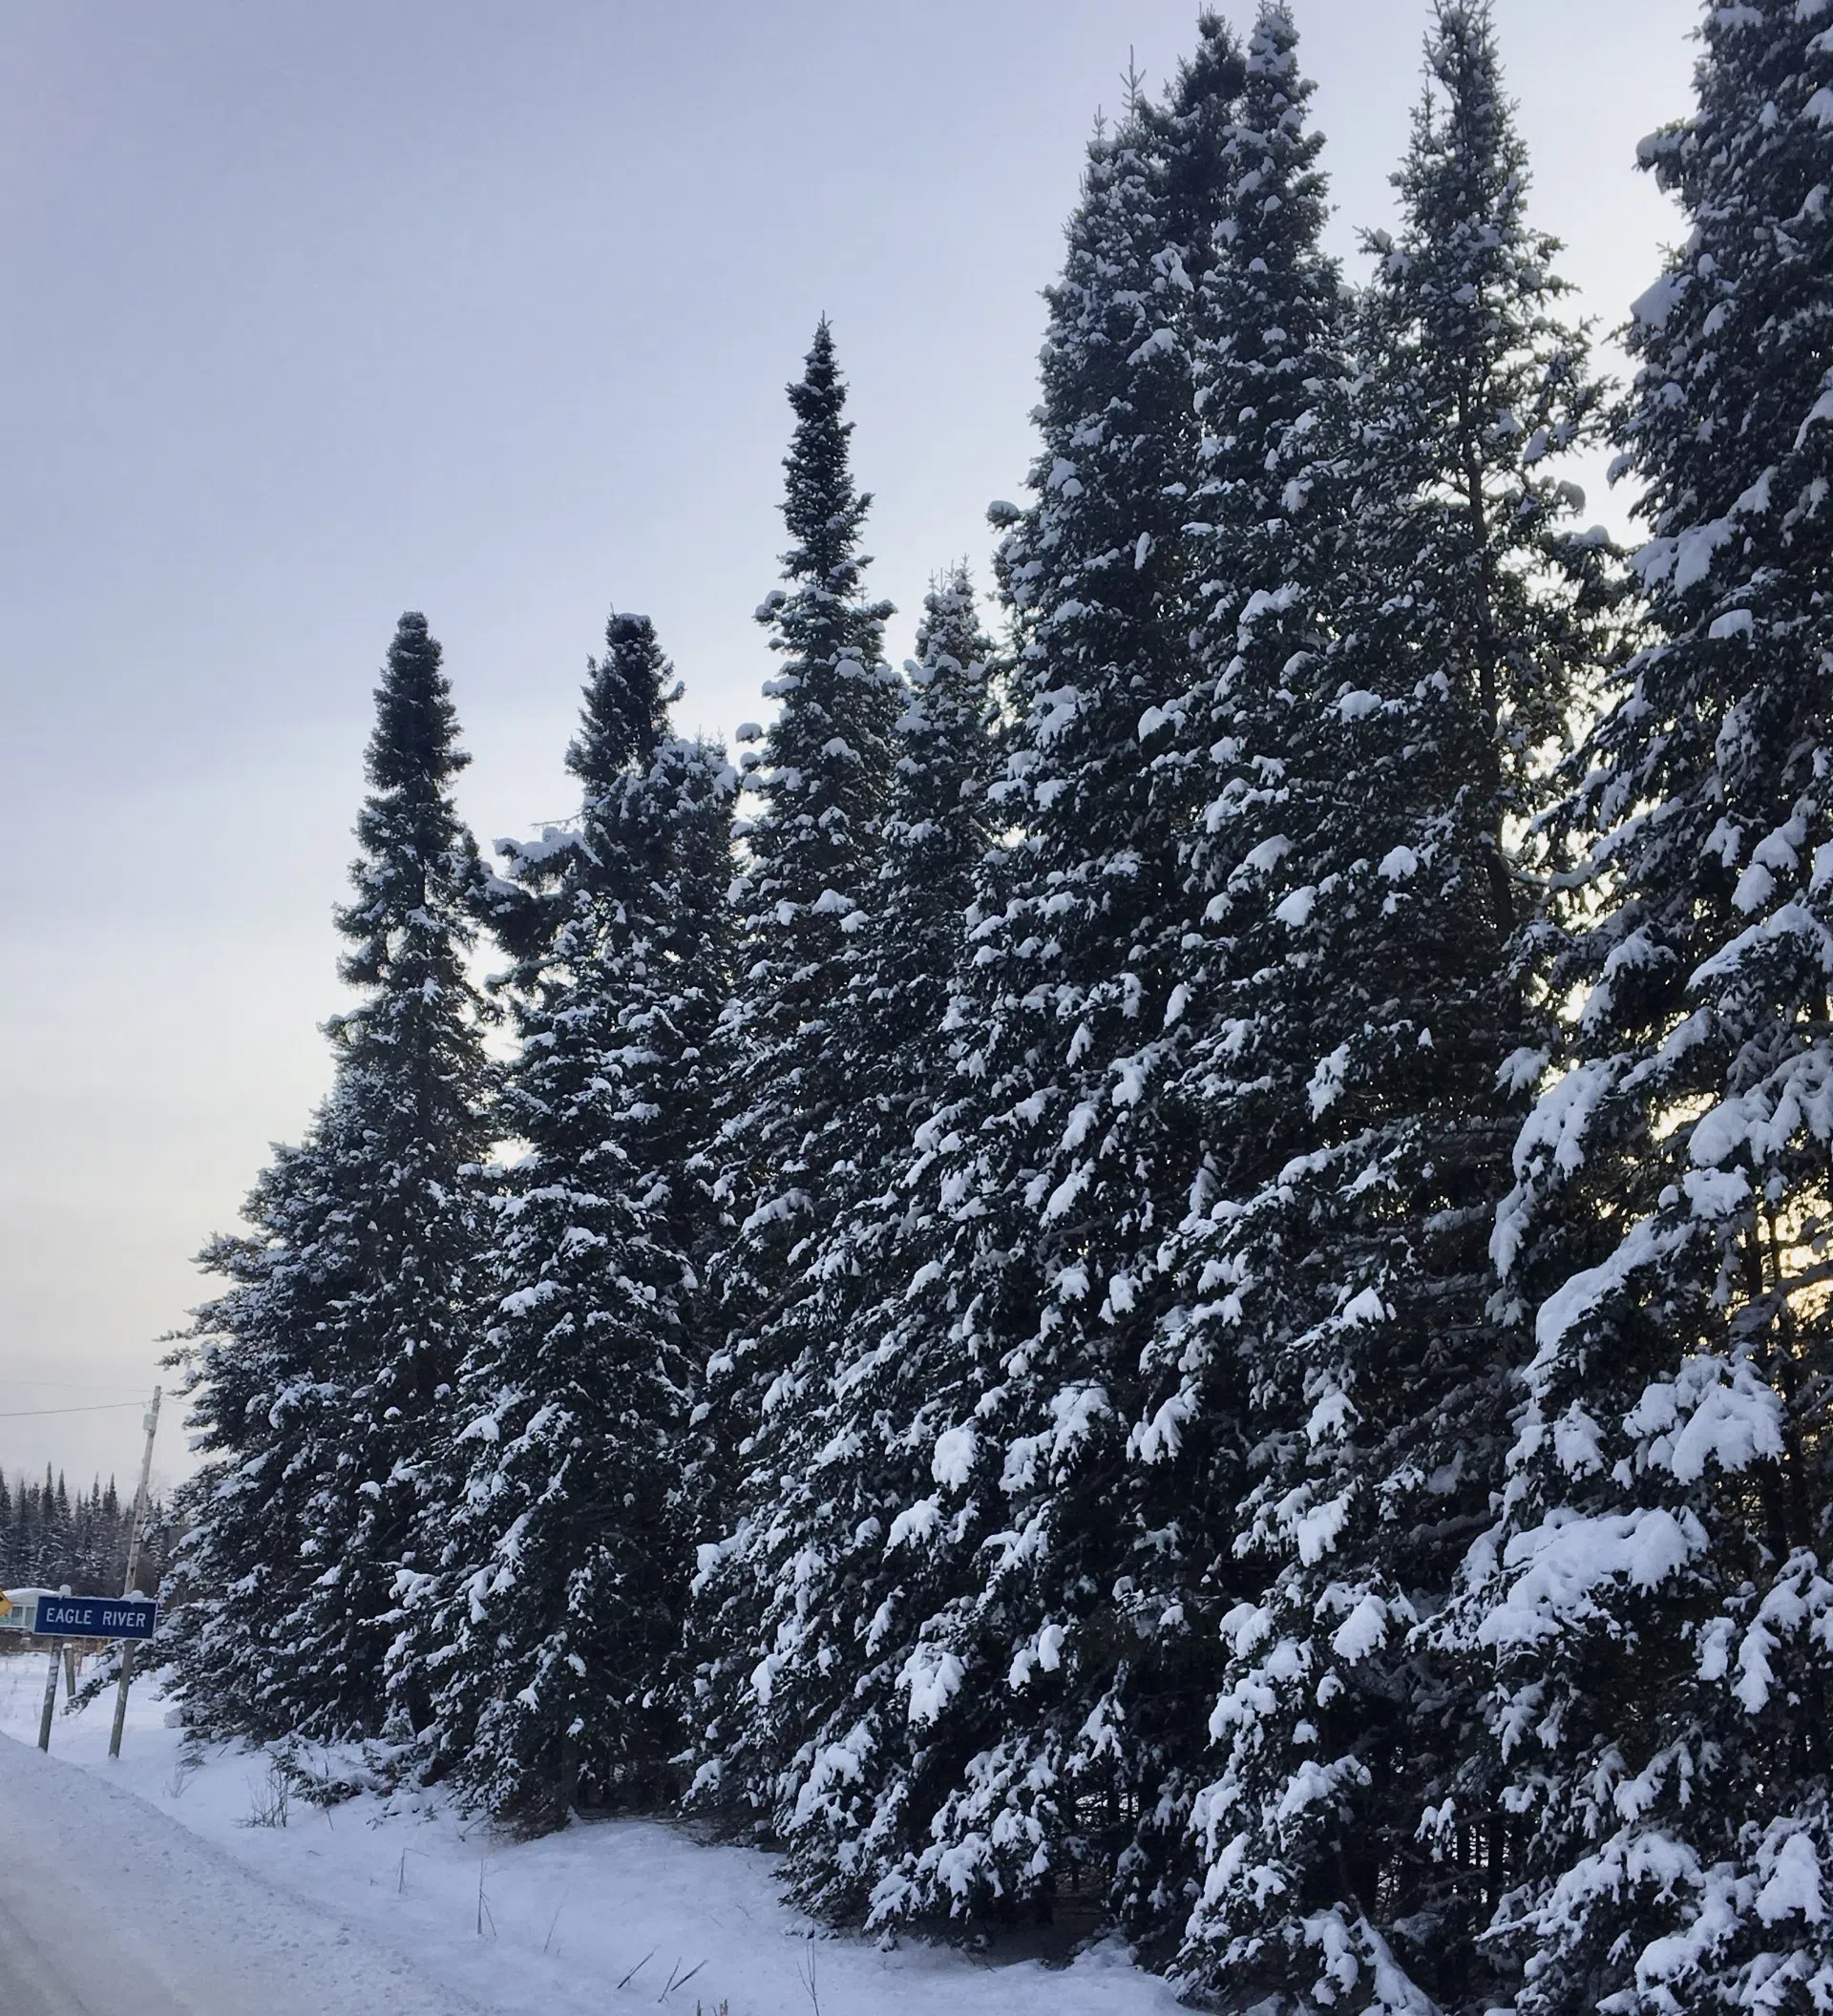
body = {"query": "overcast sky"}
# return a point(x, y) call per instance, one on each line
point(317, 313)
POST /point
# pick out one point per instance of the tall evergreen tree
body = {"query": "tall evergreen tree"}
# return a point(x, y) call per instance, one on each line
point(565, 1554)
point(1379, 1004)
point(1654, 1612)
point(1269, 354)
point(321, 1377)
point(260, 1378)
point(1003, 1767)
point(819, 1698)
point(810, 864)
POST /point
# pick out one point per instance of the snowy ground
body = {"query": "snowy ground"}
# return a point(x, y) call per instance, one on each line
point(597, 1918)
point(109, 1908)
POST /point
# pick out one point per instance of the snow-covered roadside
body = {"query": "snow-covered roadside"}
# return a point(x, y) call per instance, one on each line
point(109, 1908)
point(565, 1920)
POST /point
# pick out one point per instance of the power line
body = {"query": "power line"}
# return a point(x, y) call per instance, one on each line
point(65, 1385)
point(104, 1407)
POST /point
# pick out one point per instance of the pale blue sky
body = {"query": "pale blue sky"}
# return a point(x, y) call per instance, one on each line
point(317, 313)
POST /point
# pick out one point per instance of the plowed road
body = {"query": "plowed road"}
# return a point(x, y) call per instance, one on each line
point(109, 1908)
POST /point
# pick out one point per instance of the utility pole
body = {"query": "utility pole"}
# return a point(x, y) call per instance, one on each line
point(133, 1570)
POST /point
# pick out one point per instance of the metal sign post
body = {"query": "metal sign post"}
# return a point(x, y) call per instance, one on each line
point(133, 1571)
point(50, 1695)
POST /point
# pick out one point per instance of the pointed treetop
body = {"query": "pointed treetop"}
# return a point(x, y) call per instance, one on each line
point(1461, 42)
point(949, 610)
point(821, 508)
point(1213, 71)
point(1194, 125)
point(1276, 96)
point(417, 726)
point(827, 757)
point(1466, 258)
point(1274, 43)
point(1132, 85)
point(417, 873)
point(1475, 128)
point(952, 653)
point(626, 705)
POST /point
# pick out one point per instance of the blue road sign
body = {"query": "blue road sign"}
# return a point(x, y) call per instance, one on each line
point(94, 1617)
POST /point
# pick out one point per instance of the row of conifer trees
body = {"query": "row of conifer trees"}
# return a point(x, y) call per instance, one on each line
point(1190, 1274)
point(50, 1537)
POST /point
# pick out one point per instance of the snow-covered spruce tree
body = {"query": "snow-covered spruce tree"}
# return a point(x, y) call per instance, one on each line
point(1268, 341)
point(808, 866)
point(1378, 994)
point(1270, 334)
point(262, 1392)
point(1653, 1614)
point(996, 1762)
point(323, 1374)
point(849, 1461)
point(555, 1604)
point(1194, 129)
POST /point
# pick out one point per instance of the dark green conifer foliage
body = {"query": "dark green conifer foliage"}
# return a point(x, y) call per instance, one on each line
point(1654, 1612)
point(808, 866)
point(564, 1562)
point(1071, 1299)
point(1195, 128)
point(323, 1377)
point(814, 1727)
point(810, 855)
point(1006, 1354)
point(1267, 535)
point(1369, 1049)
point(87, 1549)
point(262, 1393)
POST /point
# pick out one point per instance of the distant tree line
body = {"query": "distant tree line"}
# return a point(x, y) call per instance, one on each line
point(1177, 1263)
point(49, 1537)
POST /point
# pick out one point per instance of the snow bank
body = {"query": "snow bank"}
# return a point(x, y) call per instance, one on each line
point(382, 1903)
point(136, 1915)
